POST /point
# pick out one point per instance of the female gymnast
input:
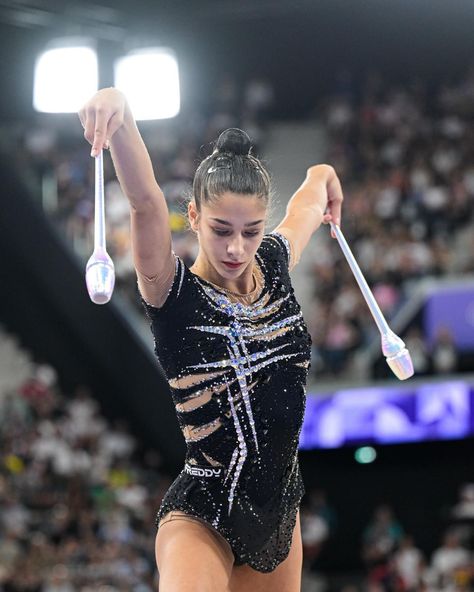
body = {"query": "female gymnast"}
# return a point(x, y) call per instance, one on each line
point(235, 349)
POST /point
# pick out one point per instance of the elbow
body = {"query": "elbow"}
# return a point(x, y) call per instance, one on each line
point(146, 202)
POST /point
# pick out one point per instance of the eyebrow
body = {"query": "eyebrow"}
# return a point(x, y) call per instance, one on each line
point(229, 224)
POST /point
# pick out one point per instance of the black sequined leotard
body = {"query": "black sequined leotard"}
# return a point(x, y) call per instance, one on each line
point(237, 375)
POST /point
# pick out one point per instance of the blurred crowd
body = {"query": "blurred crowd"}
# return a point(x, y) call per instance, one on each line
point(405, 156)
point(79, 495)
point(392, 560)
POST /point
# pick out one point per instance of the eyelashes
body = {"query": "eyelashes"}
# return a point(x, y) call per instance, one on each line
point(228, 232)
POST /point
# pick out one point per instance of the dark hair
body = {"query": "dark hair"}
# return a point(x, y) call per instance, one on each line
point(232, 168)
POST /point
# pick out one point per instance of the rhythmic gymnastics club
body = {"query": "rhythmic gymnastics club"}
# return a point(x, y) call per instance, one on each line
point(393, 348)
point(100, 272)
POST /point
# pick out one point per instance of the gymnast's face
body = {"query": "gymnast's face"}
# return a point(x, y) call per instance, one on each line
point(230, 230)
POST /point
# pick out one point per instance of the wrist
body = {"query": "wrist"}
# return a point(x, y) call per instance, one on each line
point(321, 172)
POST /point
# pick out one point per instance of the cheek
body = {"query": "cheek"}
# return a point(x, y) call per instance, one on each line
point(211, 242)
point(256, 242)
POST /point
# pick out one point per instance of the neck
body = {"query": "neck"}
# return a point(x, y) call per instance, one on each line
point(243, 284)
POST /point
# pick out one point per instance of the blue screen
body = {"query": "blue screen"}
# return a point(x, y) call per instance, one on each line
point(389, 415)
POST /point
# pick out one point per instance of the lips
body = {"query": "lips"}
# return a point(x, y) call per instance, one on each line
point(232, 265)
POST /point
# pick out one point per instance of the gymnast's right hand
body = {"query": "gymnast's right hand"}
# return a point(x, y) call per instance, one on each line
point(102, 116)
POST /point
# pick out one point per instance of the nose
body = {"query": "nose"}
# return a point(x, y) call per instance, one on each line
point(235, 248)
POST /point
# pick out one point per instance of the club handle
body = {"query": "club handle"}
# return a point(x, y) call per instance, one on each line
point(99, 218)
point(366, 291)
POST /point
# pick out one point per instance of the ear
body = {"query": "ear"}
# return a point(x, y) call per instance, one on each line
point(193, 216)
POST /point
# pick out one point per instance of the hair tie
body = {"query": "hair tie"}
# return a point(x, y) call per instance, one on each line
point(220, 163)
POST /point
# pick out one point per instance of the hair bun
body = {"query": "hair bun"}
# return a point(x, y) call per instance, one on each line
point(234, 140)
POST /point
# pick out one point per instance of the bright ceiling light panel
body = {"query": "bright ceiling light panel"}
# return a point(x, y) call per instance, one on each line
point(149, 78)
point(66, 76)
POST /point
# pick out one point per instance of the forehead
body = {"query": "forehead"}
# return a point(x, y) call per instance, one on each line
point(236, 207)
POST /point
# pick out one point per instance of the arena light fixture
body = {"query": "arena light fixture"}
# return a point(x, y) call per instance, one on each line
point(149, 78)
point(66, 75)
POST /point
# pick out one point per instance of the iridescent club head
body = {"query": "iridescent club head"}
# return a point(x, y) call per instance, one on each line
point(397, 355)
point(100, 276)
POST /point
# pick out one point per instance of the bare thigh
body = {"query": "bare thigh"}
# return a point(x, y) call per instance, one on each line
point(286, 577)
point(190, 556)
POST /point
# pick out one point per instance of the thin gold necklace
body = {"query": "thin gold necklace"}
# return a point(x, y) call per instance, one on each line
point(258, 285)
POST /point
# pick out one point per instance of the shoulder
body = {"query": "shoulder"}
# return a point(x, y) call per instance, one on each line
point(176, 292)
point(275, 249)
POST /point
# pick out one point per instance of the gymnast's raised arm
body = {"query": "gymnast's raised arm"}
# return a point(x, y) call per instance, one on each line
point(318, 200)
point(108, 122)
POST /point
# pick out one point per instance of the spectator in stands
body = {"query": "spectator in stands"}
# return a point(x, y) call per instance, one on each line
point(462, 516)
point(314, 532)
point(450, 563)
point(465, 507)
point(409, 564)
point(341, 338)
point(418, 349)
point(379, 541)
point(318, 523)
point(444, 355)
point(258, 99)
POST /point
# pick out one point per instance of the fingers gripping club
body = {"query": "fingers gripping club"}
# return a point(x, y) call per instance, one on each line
point(100, 272)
